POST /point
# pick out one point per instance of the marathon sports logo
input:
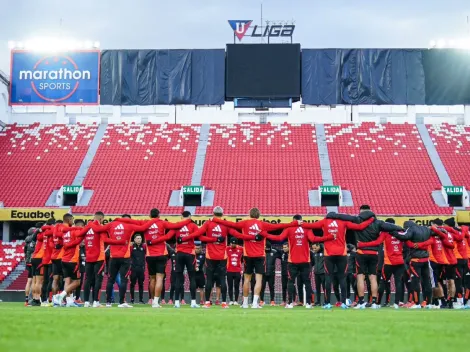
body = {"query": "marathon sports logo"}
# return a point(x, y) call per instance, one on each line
point(240, 28)
point(55, 78)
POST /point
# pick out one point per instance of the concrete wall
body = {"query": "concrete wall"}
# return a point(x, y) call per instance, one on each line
point(227, 114)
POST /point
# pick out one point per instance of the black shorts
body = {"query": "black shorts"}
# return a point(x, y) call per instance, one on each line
point(436, 271)
point(200, 280)
point(255, 265)
point(38, 268)
point(367, 263)
point(185, 260)
point(216, 280)
point(71, 270)
point(57, 267)
point(156, 265)
point(450, 271)
point(29, 268)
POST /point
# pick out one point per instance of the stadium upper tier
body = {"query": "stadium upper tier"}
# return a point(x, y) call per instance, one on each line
point(36, 159)
point(270, 166)
point(386, 166)
point(453, 145)
point(137, 166)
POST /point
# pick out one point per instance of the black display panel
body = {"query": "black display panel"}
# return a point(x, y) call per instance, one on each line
point(262, 71)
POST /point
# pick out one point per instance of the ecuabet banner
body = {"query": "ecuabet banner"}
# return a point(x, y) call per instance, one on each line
point(31, 214)
point(66, 78)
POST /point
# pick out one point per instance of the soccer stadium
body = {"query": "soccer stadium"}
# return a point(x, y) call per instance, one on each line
point(265, 195)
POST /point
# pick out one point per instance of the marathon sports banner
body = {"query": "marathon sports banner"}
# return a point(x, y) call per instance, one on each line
point(54, 79)
point(200, 219)
point(31, 214)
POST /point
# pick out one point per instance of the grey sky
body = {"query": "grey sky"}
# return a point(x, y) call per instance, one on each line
point(129, 24)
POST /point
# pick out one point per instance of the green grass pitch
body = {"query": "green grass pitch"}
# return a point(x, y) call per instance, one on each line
point(269, 329)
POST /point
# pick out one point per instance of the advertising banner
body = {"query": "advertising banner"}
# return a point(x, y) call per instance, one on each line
point(68, 78)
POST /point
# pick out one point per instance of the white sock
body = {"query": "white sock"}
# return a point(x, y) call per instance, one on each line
point(62, 295)
point(193, 301)
point(245, 301)
point(177, 302)
point(156, 299)
point(255, 300)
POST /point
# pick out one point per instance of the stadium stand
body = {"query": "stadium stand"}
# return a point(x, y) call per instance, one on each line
point(385, 166)
point(270, 166)
point(453, 146)
point(35, 154)
point(11, 254)
point(137, 166)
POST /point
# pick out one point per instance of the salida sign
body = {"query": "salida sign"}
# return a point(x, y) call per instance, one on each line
point(243, 28)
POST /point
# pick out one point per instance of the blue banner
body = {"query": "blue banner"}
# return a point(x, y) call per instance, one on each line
point(55, 79)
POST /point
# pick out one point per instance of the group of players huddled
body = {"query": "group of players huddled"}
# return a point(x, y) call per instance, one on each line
point(428, 259)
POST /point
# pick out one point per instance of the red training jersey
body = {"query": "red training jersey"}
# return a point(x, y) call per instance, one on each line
point(38, 249)
point(336, 228)
point(187, 246)
point(119, 231)
point(393, 248)
point(448, 238)
point(460, 249)
point(252, 228)
point(72, 239)
point(47, 246)
point(209, 233)
point(57, 241)
point(234, 259)
point(299, 247)
point(156, 230)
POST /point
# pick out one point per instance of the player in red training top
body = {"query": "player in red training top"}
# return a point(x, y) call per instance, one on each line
point(120, 256)
point(234, 269)
point(393, 263)
point(156, 251)
point(460, 252)
point(58, 251)
point(39, 237)
point(335, 252)
point(185, 258)
point(94, 262)
point(451, 268)
point(254, 250)
point(95, 259)
point(216, 256)
point(299, 257)
point(71, 238)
